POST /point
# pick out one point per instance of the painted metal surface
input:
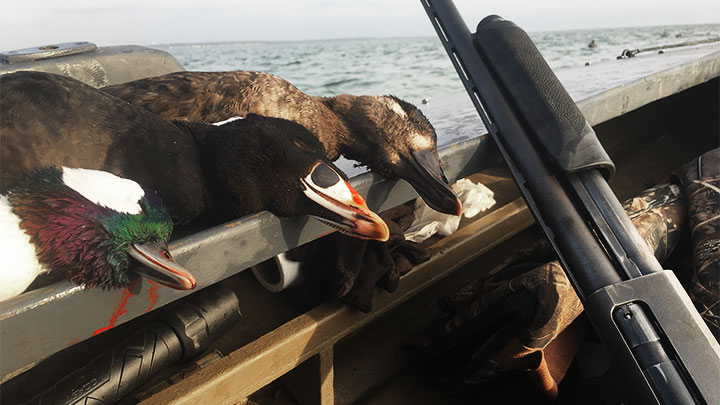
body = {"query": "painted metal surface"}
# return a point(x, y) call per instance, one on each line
point(46, 52)
point(95, 67)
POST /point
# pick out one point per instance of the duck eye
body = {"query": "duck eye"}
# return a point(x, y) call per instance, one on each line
point(166, 254)
point(323, 176)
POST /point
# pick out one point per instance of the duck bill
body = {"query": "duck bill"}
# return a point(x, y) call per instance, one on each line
point(351, 213)
point(430, 182)
point(159, 265)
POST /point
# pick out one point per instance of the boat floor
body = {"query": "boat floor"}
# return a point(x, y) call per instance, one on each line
point(377, 366)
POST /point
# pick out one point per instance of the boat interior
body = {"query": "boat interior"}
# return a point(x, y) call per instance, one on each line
point(285, 351)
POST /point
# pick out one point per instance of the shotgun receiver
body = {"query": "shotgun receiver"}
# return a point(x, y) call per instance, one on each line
point(640, 311)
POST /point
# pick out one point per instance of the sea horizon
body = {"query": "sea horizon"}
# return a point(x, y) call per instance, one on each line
point(353, 38)
point(412, 67)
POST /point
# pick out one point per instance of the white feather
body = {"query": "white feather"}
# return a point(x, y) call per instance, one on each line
point(105, 189)
point(18, 262)
point(228, 120)
point(420, 142)
point(392, 105)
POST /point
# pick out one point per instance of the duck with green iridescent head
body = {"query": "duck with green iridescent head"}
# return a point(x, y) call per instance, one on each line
point(91, 226)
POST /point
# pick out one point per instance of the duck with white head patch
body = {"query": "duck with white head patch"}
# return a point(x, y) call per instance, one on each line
point(205, 174)
point(86, 224)
point(389, 135)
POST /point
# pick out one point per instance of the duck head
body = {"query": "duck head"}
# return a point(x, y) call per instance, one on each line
point(395, 139)
point(285, 171)
point(90, 225)
point(347, 210)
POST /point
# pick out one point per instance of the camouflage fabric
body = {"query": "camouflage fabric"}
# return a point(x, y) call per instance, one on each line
point(540, 344)
point(556, 302)
point(701, 182)
point(659, 214)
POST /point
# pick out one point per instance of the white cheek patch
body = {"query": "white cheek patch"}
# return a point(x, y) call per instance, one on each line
point(420, 142)
point(105, 189)
point(228, 120)
point(391, 104)
point(339, 192)
point(397, 109)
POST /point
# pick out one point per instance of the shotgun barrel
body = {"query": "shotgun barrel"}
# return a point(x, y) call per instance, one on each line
point(640, 311)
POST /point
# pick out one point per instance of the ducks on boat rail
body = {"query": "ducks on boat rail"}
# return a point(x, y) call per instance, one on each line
point(86, 224)
point(201, 172)
point(388, 135)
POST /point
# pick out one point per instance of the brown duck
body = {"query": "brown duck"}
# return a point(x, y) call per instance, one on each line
point(390, 136)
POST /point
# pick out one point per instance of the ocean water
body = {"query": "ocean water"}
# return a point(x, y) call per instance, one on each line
point(410, 68)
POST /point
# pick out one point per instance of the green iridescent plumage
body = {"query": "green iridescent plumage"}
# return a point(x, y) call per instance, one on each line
point(86, 241)
point(152, 225)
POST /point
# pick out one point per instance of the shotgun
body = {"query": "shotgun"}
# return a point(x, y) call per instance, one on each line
point(640, 311)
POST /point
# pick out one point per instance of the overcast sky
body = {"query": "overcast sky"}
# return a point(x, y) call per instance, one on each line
point(25, 23)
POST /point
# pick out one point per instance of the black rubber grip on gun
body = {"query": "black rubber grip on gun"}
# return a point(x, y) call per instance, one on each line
point(536, 95)
point(183, 331)
point(116, 372)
